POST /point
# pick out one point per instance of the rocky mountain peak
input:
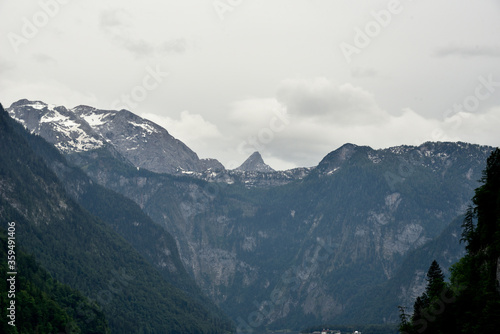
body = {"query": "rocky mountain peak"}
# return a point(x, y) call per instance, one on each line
point(255, 163)
point(25, 102)
point(85, 128)
point(334, 160)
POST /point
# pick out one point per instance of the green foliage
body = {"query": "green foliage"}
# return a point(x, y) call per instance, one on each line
point(435, 281)
point(471, 302)
point(44, 305)
point(426, 306)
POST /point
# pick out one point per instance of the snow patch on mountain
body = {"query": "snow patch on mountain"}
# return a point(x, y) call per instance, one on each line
point(37, 105)
point(95, 119)
point(59, 126)
point(147, 127)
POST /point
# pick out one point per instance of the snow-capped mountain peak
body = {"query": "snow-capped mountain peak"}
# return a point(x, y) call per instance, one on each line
point(84, 128)
point(57, 125)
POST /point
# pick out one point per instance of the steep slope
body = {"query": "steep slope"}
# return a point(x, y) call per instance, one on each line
point(255, 163)
point(152, 241)
point(142, 142)
point(81, 129)
point(84, 253)
point(43, 305)
point(408, 281)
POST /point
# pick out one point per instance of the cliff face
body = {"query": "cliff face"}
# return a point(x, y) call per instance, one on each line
point(319, 243)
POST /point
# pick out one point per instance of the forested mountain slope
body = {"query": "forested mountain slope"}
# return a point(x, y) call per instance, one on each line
point(83, 252)
point(41, 304)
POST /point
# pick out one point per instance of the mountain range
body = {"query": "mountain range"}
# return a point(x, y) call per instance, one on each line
point(140, 286)
point(346, 241)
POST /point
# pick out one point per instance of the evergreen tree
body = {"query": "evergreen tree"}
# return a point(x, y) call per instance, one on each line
point(469, 230)
point(405, 325)
point(471, 303)
point(421, 303)
point(435, 281)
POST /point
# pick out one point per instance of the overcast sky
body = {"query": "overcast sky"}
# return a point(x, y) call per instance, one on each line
point(293, 79)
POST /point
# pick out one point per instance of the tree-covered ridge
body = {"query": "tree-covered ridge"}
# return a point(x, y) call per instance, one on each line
point(42, 304)
point(470, 302)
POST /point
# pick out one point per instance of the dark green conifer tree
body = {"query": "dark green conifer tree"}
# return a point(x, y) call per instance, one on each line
point(435, 281)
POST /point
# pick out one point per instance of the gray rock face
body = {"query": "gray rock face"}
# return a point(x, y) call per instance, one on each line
point(83, 128)
point(304, 243)
point(255, 163)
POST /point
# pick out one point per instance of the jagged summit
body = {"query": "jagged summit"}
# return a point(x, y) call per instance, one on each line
point(255, 163)
point(85, 128)
point(336, 158)
point(24, 102)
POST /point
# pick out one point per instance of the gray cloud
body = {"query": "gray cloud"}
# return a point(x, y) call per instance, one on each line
point(468, 51)
point(117, 24)
point(178, 45)
point(45, 59)
point(112, 18)
point(137, 47)
point(345, 104)
point(228, 73)
point(363, 72)
point(6, 65)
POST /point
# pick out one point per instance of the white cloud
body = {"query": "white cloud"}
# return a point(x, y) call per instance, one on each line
point(254, 113)
point(479, 127)
point(192, 129)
